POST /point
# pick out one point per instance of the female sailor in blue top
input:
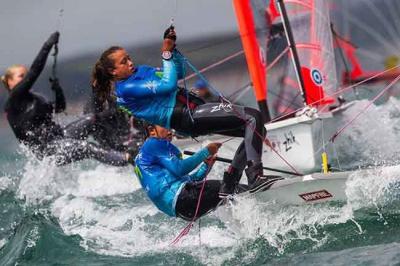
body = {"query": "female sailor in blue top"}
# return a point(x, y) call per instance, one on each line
point(151, 94)
point(170, 181)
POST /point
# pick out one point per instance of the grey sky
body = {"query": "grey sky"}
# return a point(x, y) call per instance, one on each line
point(88, 25)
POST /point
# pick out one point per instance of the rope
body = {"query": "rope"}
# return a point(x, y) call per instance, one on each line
point(187, 228)
point(336, 93)
point(231, 106)
point(332, 139)
point(215, 64)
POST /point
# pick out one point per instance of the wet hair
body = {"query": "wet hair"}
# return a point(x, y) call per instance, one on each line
point(101, 81)
point(8, 74)
point(147, 127)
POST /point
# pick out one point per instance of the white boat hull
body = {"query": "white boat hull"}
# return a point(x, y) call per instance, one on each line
point(318, 187)
point(313, 188)
point(296, 140)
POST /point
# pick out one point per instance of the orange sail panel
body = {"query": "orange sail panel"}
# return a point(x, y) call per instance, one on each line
point(310, 24)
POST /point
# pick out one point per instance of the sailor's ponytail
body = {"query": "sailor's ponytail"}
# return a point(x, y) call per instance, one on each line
point(102, 79)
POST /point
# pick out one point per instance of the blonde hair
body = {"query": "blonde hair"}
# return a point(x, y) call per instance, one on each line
point(8, 74)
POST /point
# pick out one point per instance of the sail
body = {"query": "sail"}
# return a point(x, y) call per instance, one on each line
point(359, 31)
point(309, 21)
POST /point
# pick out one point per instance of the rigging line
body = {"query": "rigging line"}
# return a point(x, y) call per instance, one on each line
point(232, 39)
point(342, 57)
point(214, 65)
point(186, 230)
point(59, 19)
point(230, 107)
point(235, 95)
point(336, 154)
point(327, 143)
point(340, 91)
point(265, 140)
point(272, 64)
point(227, 140)
point(332, 139)
point(290, 105)
point(55, 54)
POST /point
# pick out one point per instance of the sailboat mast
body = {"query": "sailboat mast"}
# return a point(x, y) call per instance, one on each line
point(292, 47)
point(251, 48)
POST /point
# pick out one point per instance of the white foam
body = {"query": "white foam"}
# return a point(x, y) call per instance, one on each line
point(5, 183)
point(376, 187)
point(2, 242)
point(43, 181)
point(107, 208)
point(373, 138)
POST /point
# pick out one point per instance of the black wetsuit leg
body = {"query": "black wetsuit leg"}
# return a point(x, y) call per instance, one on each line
point(80, 128)
point(72, 150)
point(225, 119)
point(187, 200)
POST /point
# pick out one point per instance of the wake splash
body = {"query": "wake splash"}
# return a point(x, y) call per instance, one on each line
point(106, 208)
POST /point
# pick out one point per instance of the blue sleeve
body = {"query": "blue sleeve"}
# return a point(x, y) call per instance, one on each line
point(180, 167)
point(150, 88)
point(179, 63)
point(199, 174)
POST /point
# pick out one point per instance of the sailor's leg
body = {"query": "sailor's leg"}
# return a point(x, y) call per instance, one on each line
point(71, 150)
point(231, 120)
point(188, 197)
point(80, 128)
point(226, 119)
point(234, 172)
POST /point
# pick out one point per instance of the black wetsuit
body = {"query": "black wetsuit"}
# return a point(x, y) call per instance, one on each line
point(31, 119)
point(113, 128)
point(186, 203)
point(192, 117)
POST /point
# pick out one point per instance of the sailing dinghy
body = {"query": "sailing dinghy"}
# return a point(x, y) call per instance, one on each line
point(300, 140)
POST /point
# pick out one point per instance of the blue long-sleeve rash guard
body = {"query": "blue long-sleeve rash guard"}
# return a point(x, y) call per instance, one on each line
point(163, 173)
point(150, 93)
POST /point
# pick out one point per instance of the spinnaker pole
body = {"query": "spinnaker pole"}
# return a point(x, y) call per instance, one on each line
point(292, 47)
point(257, 70)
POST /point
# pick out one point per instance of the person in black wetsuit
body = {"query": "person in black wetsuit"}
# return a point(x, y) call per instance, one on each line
point(30, 116)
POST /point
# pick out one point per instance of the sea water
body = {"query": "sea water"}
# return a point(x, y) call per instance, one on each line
point(87, 213)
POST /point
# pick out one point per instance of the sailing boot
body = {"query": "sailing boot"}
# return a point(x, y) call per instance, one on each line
point(229, 182)
point(255, 177)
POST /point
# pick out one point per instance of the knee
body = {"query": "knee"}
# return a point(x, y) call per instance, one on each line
point(257, 119)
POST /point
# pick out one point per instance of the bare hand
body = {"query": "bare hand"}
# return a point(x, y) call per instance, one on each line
point(213, 147)
point(168, 45)
point(210, 160)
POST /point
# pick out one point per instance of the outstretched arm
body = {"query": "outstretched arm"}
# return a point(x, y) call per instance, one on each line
point(181, 167)
point(36, 68)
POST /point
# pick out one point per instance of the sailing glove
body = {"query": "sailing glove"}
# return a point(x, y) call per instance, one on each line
point(53, 39)
point(170, 33)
